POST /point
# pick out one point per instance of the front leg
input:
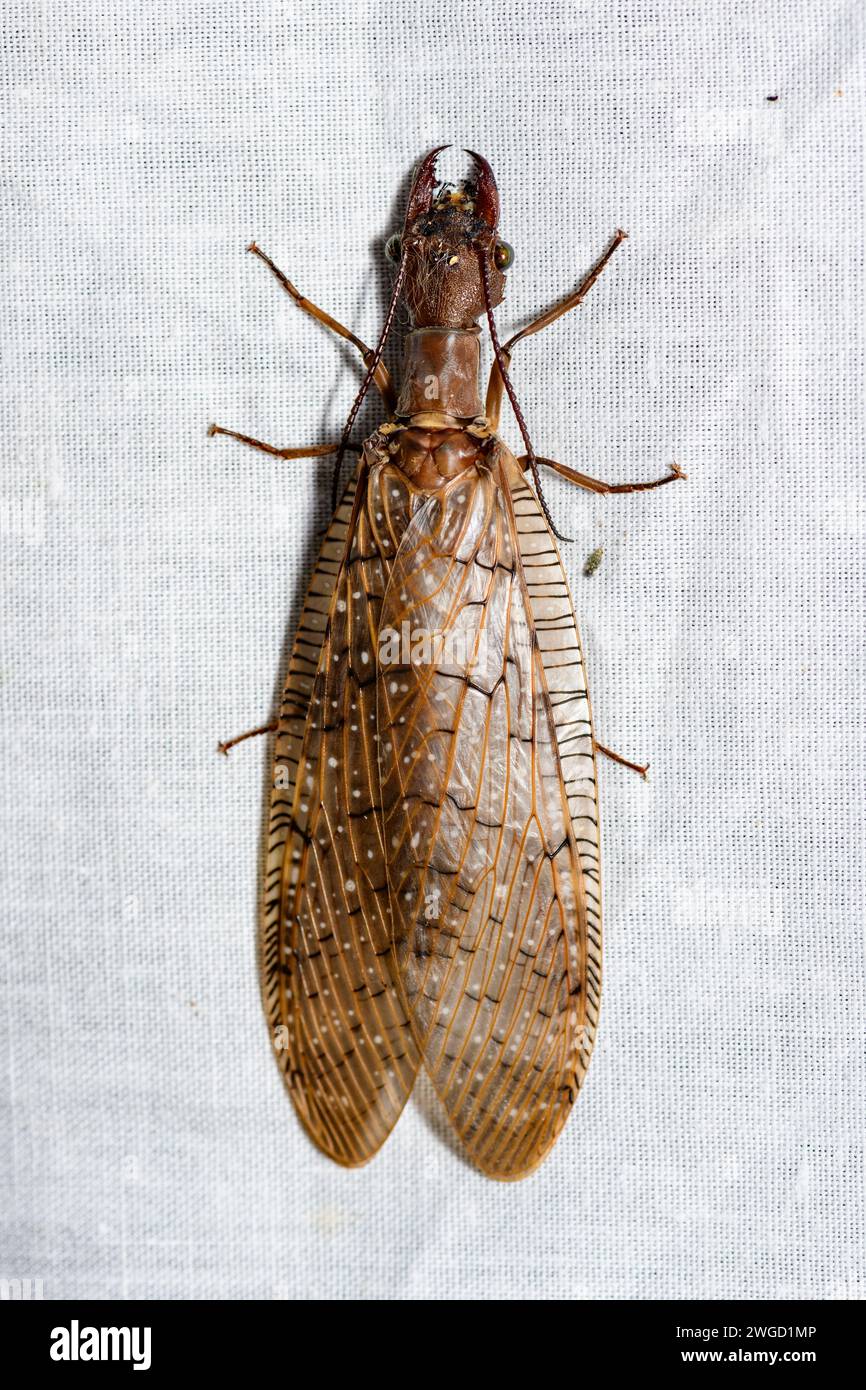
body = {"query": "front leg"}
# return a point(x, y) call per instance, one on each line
point(571, 301)
point(381, 377)
point(595, 484)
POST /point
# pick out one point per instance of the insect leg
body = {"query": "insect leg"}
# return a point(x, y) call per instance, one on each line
point(596, 485)
point(494, 385)
point(251, 733)
point(617, 758)
point(381, 376)
point(309, 451)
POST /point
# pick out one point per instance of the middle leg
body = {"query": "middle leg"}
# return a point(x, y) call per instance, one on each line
point(307, 451)
point(596, 485)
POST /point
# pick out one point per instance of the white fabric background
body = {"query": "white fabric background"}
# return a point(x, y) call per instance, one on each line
point(153, 578)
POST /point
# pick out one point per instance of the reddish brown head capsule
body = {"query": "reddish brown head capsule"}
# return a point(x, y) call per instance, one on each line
point(441, 234)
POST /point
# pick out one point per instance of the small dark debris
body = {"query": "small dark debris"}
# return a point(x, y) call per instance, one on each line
point(593, 561)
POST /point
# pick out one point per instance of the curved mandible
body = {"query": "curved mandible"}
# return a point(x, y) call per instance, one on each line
point(421, 195)
point(487, 196)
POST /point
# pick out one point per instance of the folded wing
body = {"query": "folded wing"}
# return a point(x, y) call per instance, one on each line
point(338, 1024)
point(491, 927)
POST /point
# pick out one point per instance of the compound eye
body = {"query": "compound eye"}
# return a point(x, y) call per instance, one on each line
point(394, 248)
point(503, 255)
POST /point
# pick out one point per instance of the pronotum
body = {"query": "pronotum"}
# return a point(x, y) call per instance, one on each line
point(432, 891)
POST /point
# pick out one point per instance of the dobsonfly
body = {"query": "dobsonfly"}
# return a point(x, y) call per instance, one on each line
point(431, 892)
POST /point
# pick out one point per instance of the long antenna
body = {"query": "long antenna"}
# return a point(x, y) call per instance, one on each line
point(518, 413)
point(365, 385)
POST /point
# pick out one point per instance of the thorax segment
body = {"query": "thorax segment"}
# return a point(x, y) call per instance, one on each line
point(440, 373)
point(439, 430)
point(430, 450)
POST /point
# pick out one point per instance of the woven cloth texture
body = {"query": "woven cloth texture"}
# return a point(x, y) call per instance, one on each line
point(153, 576)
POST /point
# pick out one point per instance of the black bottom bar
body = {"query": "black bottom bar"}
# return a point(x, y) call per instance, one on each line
point(69, 1339)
